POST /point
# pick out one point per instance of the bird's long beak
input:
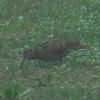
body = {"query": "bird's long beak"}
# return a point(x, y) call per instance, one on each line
point(22, 63)
point(23, 60)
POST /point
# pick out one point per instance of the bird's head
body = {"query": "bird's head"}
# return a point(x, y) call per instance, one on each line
point(30, 54)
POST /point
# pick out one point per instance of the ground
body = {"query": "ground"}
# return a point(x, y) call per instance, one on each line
point(27, 23)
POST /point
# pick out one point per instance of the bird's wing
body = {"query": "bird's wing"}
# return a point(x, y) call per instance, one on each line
point(53, 47)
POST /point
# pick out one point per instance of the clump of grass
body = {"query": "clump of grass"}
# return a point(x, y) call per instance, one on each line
point(11, 91)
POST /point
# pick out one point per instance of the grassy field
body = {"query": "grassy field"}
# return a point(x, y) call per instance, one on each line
point(25, 24)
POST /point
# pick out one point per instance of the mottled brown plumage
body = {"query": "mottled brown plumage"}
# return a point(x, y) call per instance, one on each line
point(53, 50)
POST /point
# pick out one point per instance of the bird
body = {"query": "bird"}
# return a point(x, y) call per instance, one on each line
point(52, 50)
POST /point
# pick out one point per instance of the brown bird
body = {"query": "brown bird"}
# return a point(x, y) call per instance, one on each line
point(52, 50)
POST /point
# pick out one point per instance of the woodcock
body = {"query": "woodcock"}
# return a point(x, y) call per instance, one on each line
point(52, 50)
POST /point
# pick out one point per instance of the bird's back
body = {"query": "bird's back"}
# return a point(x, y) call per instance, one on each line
point(59, 46)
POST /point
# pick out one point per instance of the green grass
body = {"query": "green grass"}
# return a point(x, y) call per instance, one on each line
point(27, 23)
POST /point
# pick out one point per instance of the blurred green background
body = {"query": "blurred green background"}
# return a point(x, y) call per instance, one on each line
point(27, 23)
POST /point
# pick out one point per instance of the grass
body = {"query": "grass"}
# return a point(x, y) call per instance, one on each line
point(25, 24)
